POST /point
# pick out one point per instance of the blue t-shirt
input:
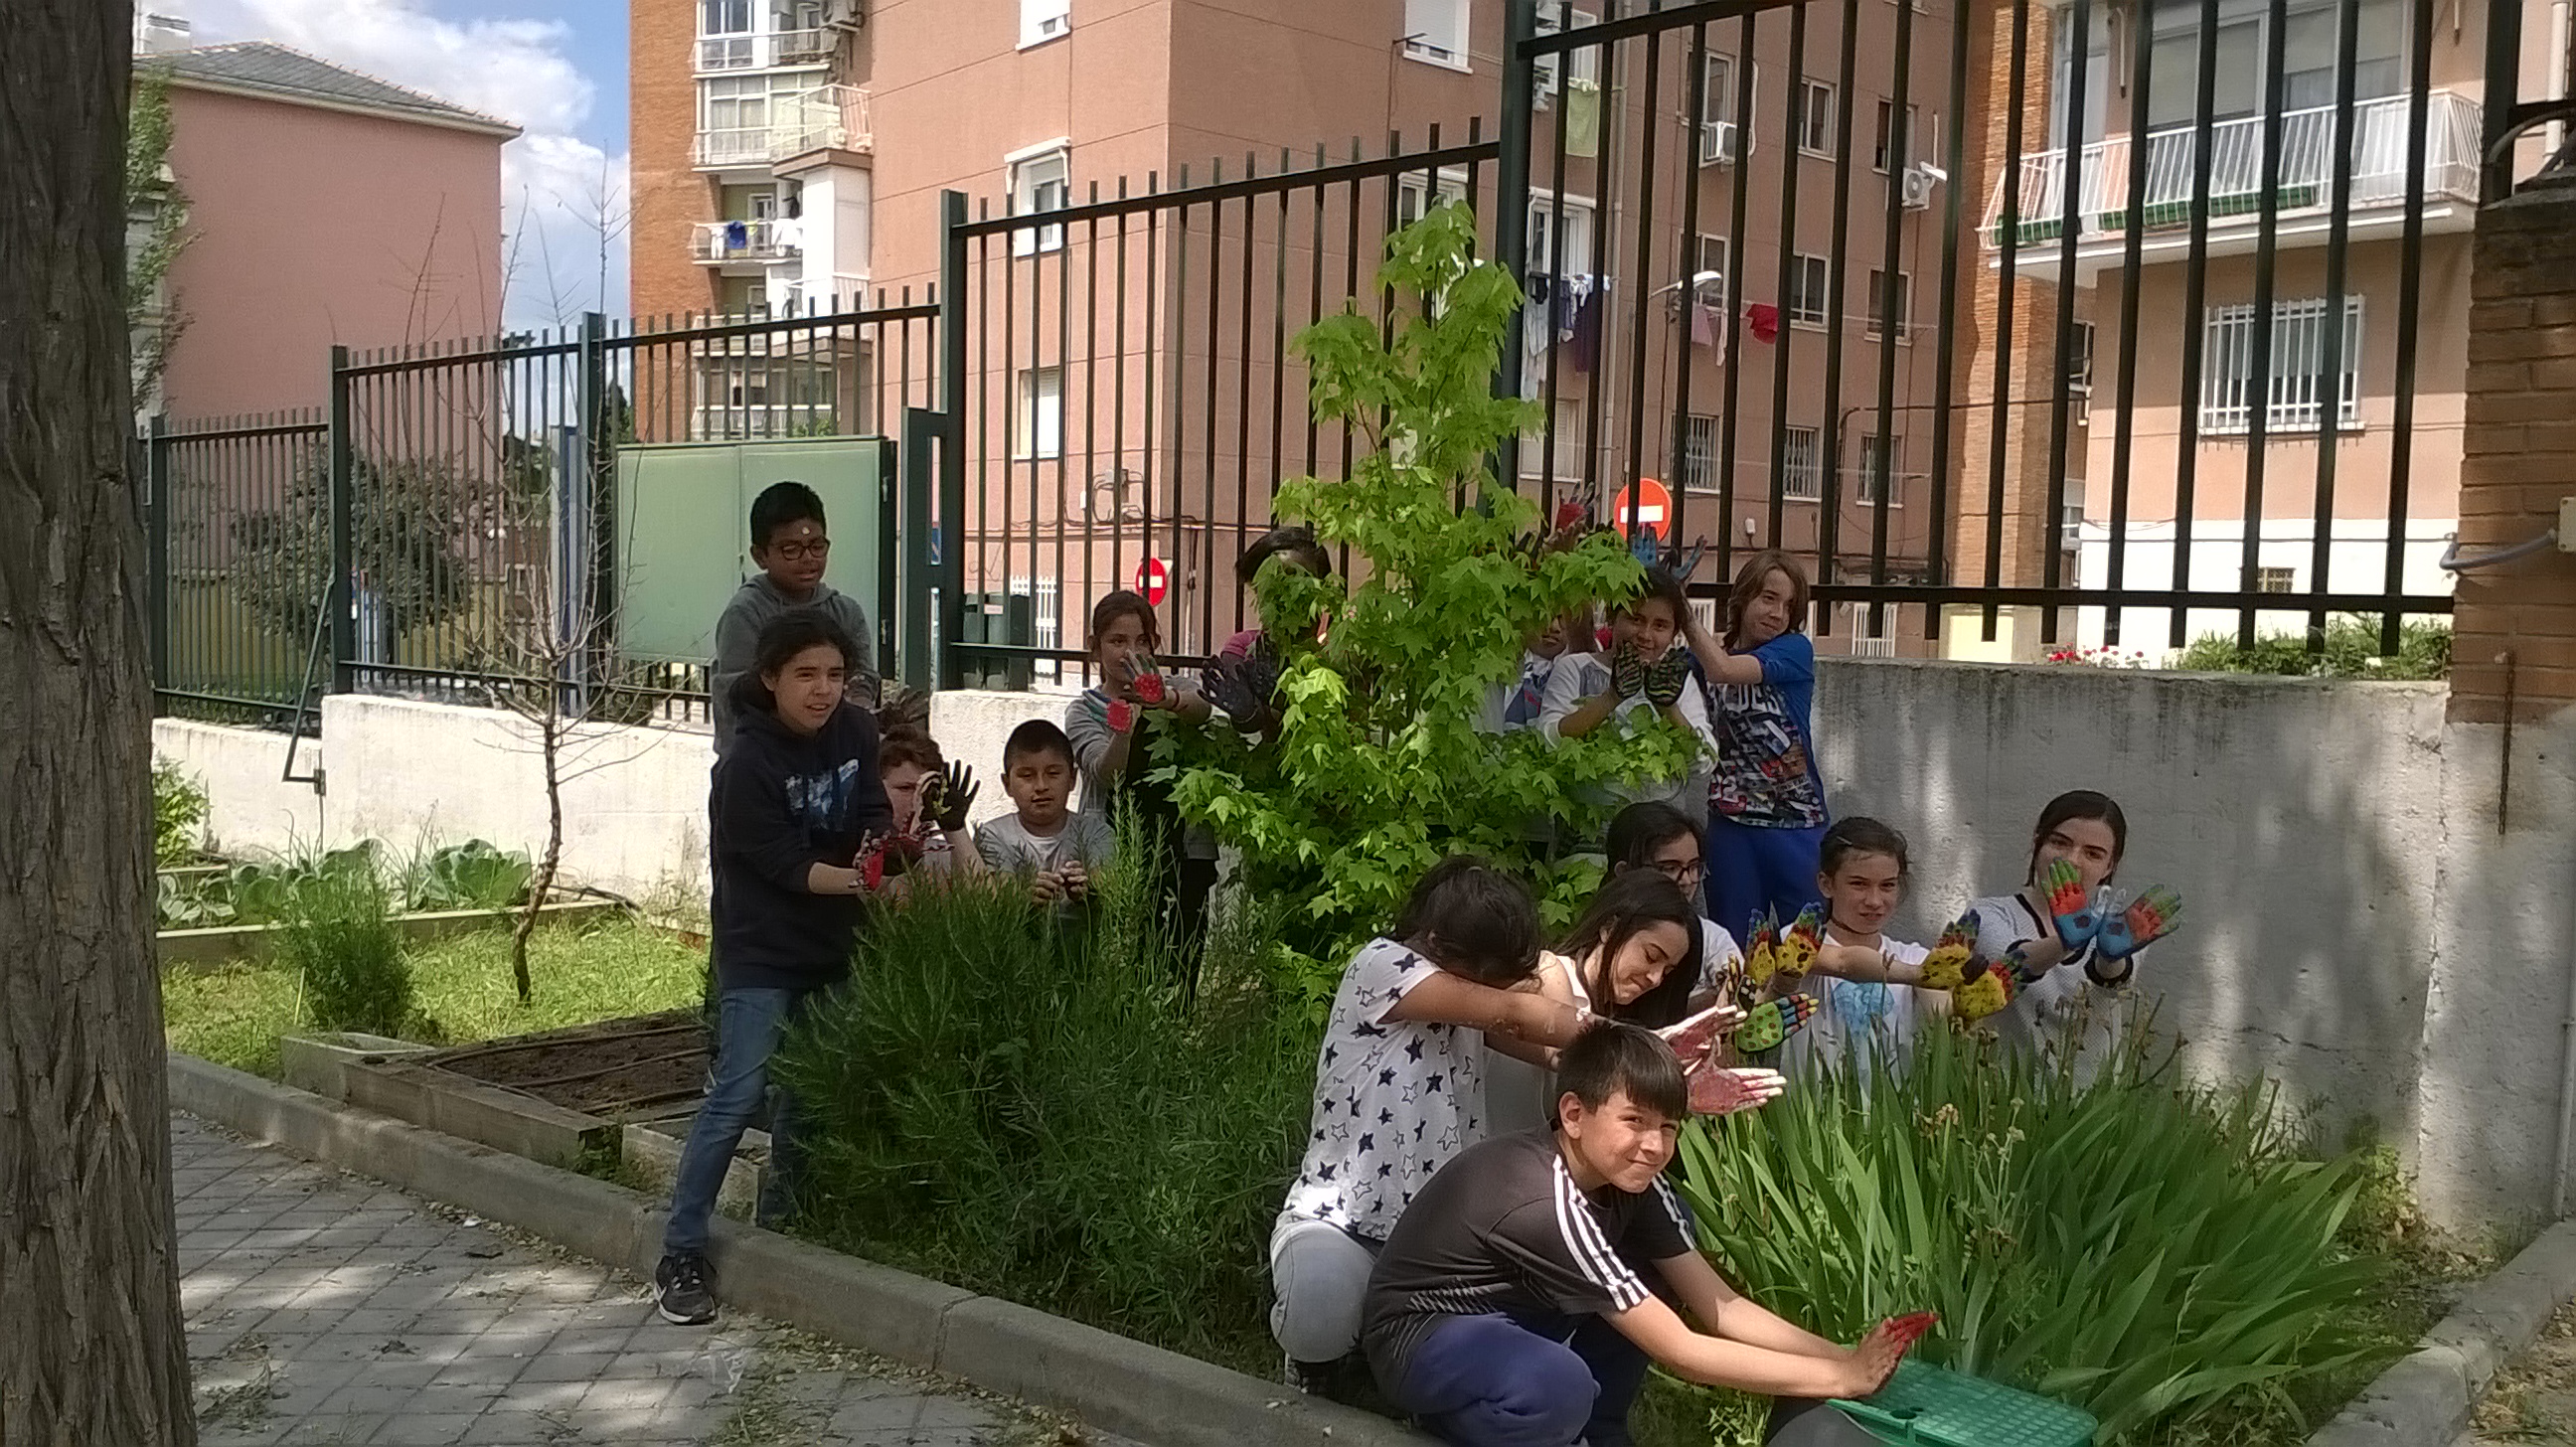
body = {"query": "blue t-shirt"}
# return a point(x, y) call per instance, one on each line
point(1766, 763)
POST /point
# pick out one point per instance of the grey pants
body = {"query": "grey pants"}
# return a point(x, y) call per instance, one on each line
point(1318, 1280)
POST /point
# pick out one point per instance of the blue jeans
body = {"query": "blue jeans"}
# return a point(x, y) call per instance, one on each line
point(749, 1025)
point(1501, 1381)
point(1751, 868)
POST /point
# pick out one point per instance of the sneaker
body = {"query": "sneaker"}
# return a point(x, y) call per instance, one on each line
point(1311, 1378)
point(681, 1292)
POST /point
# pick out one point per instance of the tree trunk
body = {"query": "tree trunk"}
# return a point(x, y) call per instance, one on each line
point(550, 733)
point(91, 1344)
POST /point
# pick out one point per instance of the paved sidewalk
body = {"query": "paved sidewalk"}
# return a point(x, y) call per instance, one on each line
point(324, 1308)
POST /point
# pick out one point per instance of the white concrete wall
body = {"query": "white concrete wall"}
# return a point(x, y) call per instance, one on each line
point(2292, 815)
point(2337, 845)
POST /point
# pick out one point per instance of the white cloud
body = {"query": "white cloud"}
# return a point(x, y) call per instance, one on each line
point(558, 191)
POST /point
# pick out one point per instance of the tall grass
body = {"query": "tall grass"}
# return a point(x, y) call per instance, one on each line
point(1031, 1106)
point(2154, 1251)
point(340, 941)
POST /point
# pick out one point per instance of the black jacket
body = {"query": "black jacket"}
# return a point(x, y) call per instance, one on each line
point(781, 804)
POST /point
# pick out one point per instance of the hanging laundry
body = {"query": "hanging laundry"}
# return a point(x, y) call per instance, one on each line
point(1586, 341)
point(737, 236)
point(1582, 117)
point(1703, 323)
point(1764, 320)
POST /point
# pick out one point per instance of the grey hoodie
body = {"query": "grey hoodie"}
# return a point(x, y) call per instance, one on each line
point(738, 644)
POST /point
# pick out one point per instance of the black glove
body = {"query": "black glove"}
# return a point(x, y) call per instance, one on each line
point(1666, 678)
point(1627, 673)
point(950, 794)
point(1226, 685)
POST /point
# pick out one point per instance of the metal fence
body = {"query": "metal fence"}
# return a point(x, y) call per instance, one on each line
point(235, 545)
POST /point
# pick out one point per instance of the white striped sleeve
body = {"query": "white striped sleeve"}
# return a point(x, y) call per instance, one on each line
point(1590, 1247)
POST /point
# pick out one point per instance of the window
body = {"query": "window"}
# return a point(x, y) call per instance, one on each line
point(1886, 310)
point(1878, 462)
point(1586, 62)
point(1041, 413)
point(1868, 642)
point(724, 17)
point(1046, 611)
point(2079, 361)
point(1884, 143)
point(1810, 289)
point(2293, 401)
point(1436, 31)
point(1560, 235)
point(1801, 464)
point(1415, 193)
point(1710, 256)
point(1559, 452)
point(1044, 20)
point(2276, 580)
point(1697, 466)
point(1718, 142)
point(1042, 182)
point(1815, 118)
point(2309, 42)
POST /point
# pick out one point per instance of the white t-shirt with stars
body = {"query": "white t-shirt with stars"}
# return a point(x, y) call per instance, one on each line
point(1394, 1100)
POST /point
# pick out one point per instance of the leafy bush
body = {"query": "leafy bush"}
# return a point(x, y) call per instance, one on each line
point(178, 814)
point(2156, 1252)
point(411, 521)
point(471, 875)
point(1027, 1106)
point(2351, 651)
point(341, 943)
point(1378, 769)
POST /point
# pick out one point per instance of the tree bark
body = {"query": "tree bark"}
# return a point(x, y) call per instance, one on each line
point(92, 1349)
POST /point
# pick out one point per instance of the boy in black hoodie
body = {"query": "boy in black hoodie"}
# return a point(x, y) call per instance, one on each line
point(796, 804)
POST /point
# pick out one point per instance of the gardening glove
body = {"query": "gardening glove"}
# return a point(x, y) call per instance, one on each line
point(2077, 920)
point(1225, 686)
point(952, 794)
point(1627, 673)
point(1667, 677)
point(1989, 988)
point(1946, 968)
point(1762, 959)
point(1725, 1090)
point(1797, 952)
point(871, 863)
point(1773, 1021)
point(2156, 914)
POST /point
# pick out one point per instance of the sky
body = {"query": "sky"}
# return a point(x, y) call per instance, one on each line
point(555, 68)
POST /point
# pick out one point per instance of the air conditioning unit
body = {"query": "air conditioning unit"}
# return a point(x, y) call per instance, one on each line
point(1051, 26)
point(845, 14)
point(1917, 184)
point(1718, 143)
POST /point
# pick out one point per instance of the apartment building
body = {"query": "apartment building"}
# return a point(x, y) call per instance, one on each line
point(2232, 455)
point(1128, 397)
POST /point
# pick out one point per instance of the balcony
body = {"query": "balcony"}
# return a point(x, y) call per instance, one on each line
point(763, 419)
point(719, 243)
point(833, 116)
point(720, 53)
point(2304, 196)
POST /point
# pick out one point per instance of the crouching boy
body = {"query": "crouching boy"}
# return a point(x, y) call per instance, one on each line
point(1507, 1308)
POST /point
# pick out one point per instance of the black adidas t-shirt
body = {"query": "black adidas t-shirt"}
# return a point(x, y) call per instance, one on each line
point(1503, 1228)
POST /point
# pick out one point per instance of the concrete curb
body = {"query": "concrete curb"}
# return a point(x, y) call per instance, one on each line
point(1108, 1381)
point(2425, 1400)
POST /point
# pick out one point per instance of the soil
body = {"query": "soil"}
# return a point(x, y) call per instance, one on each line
point(2533, 1400)
point(635, 1067)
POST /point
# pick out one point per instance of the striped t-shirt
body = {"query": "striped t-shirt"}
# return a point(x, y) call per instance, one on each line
point(1504, 1228)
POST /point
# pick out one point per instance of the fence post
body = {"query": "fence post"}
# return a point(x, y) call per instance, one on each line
point(156, 524)
point(599, 467)
point(339, 600)
point(1511, 199)
point(2503, 93)
point(920, 431)
point(951, 568)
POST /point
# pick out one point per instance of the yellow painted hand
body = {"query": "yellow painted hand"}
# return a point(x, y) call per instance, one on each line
point(1946, 968)
point(1797, 952)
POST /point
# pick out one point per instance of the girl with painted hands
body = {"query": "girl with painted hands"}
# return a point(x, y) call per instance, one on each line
point(1766, 799)
point(1112, 725)
point(2066, 945)
point(1644, 675)
point(1864, 983)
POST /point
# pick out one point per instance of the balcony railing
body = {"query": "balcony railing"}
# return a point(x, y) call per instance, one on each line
point(763, 419)
point(717, 53)
point(2306, 171)
point(716, 242)
point(834, 116)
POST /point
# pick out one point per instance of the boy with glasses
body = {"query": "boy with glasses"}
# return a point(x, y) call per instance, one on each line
point(789, 546)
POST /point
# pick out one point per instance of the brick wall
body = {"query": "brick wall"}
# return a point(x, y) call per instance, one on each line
point(2519, 459)
point(667, 197)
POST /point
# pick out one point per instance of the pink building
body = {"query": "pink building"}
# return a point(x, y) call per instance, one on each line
point(324, 206)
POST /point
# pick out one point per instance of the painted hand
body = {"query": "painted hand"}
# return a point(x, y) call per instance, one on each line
point(1946, 968)
point(1225, 686)
point(1667, 676)
point(2157, 913)
point(1762, 956)
point(1989, 988)
point(1627, 673)
point(1151, 690)
point(952, 793)
point(1725, 1090)
point(2068, 904)
point(871, 862)
point(1773, 1021)
point(1798, 947)
point(1122, 716)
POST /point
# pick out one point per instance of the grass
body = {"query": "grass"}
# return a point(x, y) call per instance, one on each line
point(596, 970)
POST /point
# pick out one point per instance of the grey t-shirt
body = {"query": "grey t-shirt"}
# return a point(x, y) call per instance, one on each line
point(1504, 1228)
point(738, 644)
point(1007, 845)
point(2041, 1014)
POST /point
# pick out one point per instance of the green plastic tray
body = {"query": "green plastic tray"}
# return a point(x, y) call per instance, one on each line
point(1929, 1406)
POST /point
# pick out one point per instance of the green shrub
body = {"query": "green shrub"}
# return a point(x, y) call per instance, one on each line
point(471, 875)
point(2156, 1252)
point(2351, 651)
point(1027, 1106)
point(342, 945)
point(178, 814)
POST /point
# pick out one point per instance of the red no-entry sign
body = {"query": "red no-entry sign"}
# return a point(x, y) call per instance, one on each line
point(1653, 508)
point(1154, 580)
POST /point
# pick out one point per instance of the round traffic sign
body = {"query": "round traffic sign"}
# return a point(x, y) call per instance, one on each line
point(1649, 504)
point(1154, 580)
